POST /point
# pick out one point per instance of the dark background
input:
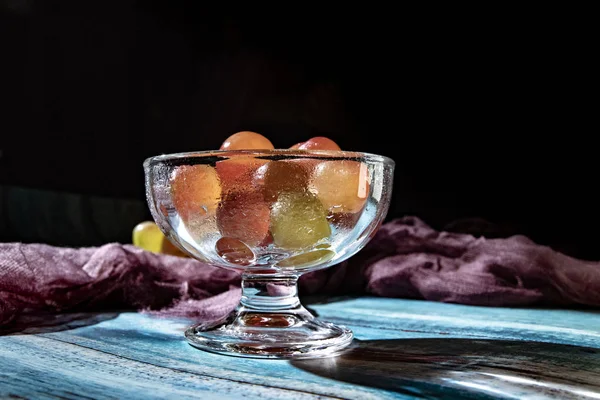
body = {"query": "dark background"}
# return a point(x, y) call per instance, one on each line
point(489, 114)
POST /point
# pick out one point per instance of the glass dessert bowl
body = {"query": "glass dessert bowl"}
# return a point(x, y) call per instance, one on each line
point(271, 215)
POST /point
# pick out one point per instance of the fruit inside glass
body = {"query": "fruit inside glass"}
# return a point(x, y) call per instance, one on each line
point(271, 215)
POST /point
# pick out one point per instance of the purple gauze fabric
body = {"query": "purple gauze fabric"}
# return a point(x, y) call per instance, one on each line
point(406, 258)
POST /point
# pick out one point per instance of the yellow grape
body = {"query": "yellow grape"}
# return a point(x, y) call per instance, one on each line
point(148, 236)
point(298, 221)
point(307, 259)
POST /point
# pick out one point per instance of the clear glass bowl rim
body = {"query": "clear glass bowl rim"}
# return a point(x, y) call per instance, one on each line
point(320, 154)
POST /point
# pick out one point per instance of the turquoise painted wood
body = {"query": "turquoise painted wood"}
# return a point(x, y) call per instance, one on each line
point(404, 349)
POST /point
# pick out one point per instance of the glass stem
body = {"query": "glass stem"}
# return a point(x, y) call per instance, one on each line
point(270, 293)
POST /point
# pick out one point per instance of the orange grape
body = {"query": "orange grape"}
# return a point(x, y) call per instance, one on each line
point(237, 173)
point(244, 216)
point(344, 220)
point(234, 251)
point(247, 140)
point(342, 186)
point(298, 221)
point(196, 191)
point(315, 143)
point(267, 241)
point(318, 143)
point(280, 176)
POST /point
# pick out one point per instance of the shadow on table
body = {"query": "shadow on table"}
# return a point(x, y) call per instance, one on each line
point(326, 299)
point(312, 300)
point(46, 323)
point(466, 368)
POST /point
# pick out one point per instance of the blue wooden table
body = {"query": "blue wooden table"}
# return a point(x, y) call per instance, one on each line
point(404, 349)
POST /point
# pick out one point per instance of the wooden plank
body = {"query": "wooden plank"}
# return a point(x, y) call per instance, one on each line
point(575, 327)
point(404, 349)
point(161, 343)
point(46, 368)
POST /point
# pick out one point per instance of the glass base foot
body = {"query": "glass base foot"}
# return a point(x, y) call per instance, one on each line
point(292, 333)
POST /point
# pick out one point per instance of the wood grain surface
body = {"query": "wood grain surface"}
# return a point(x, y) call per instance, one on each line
point(404, 349)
